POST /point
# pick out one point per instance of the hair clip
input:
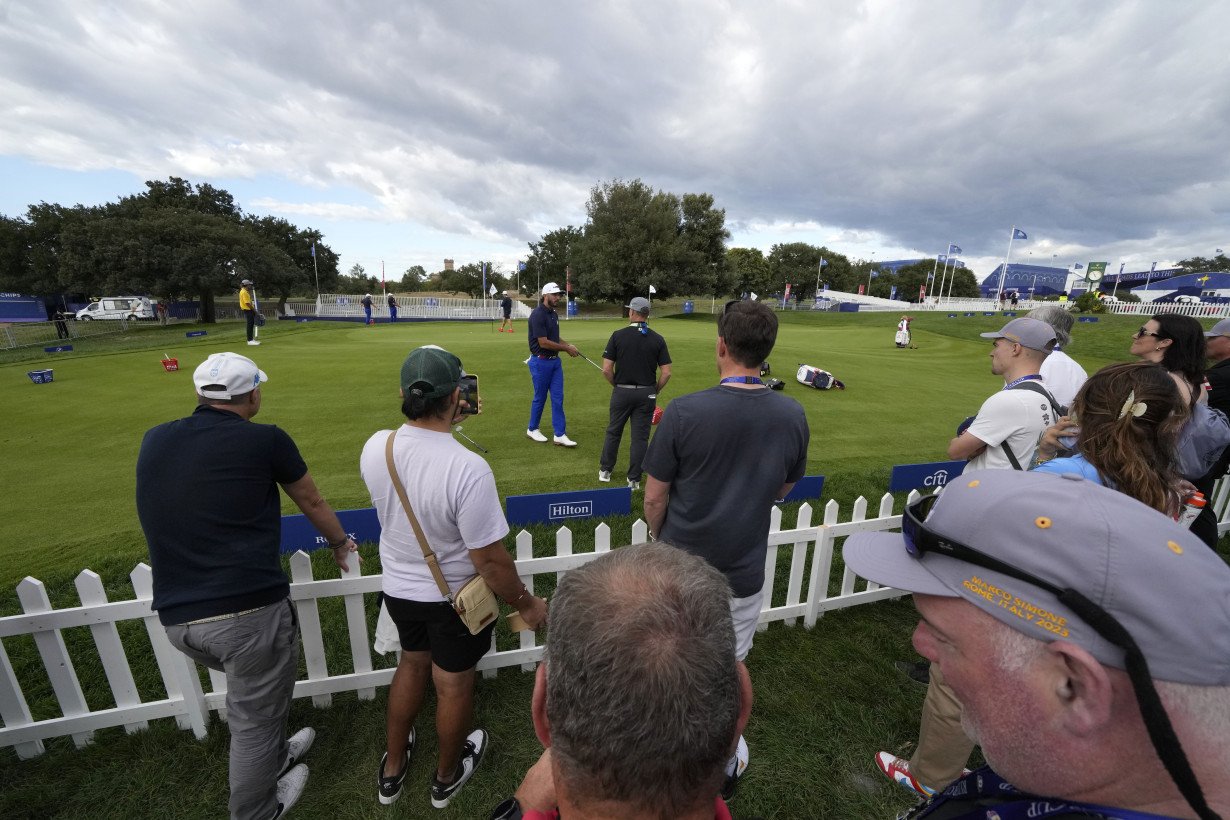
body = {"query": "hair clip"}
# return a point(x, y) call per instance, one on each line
point(1132, 407)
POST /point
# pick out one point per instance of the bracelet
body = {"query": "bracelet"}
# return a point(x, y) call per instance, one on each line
point(345, 540)
point(524, 591)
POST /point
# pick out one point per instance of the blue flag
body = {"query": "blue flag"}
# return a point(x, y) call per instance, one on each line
point(1078, 266)
point(1017, 233)
point(313, 250)
point(1219, 250)
point(943, 258)
point(955, 249)
point(824, 261)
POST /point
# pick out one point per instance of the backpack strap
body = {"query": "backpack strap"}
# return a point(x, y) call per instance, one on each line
point(1034, 387)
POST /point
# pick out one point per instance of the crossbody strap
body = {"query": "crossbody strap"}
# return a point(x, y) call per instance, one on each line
point(428, 555)
point(1033, 387)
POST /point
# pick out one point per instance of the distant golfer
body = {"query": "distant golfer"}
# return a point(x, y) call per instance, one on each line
point(903, 332)
point(546, 369)
point(638, 365)
point(506, 308)
point(247, 304)
point(392, 308)
point(208, 501)
point(367, 307)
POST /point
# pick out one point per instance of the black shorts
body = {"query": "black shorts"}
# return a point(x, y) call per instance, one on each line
point(435, 628)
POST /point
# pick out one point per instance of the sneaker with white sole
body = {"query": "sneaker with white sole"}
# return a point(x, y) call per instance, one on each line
point(388, 789)
point(290, 789)
point(471, 755)
point(735, 769)
point(536, 435)
point(897, 770)
point(604, 475)
point(253, 342)
point(633, 485)
point(297, 746)
point(564, 441)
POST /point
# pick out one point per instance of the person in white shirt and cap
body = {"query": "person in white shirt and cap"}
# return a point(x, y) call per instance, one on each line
point(546, 369)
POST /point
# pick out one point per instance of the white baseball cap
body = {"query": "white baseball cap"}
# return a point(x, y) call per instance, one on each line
point(549, 288)
point(227, 375)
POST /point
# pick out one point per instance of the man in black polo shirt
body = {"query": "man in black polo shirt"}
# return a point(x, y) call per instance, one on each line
point(546, 369)
point(638, 365)
point(207, 497)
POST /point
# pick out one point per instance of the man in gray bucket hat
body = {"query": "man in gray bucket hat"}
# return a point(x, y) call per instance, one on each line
point(1087, 637)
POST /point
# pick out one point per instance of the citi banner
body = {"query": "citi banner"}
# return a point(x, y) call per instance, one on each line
point(932, 475)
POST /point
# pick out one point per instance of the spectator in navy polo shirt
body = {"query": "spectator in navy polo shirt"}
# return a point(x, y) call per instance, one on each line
point(207, 497)
point(546, 369)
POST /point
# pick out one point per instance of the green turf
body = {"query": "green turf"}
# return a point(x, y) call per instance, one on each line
point(827, 699)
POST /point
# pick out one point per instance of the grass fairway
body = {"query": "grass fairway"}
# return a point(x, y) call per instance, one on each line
point(826, 699)
point(70, 446)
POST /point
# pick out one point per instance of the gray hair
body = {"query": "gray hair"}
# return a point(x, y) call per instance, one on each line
point(643, 690)
point(1060, 320)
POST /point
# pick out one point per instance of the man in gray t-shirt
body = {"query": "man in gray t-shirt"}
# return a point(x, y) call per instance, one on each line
point(720, 458)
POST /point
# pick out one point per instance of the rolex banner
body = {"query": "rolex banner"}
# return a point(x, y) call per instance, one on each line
point(1094, 272)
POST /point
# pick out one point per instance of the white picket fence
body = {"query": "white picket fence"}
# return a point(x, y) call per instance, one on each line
point(807, 596)
point(350, 306)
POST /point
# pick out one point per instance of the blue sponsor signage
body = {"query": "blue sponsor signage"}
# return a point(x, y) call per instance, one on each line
point(547, 508)
point(809, 486)
point(193, 333)
point(1086, 318)
point(918, 476)
point(988, 313)
point(953, 315)
point(299, 534)
point(57, 349)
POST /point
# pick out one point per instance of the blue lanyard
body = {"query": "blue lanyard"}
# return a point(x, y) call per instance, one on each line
point(1030, 378)
point(741, 380)
point(643, 327)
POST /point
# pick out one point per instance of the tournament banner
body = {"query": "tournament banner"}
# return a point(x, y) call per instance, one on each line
point(918, 476)
point(549, 508)
point(299, 534)
point(807, 487)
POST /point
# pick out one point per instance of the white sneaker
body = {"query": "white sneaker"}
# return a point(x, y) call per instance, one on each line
point(633, 485)
point(471, 755)
point(564, 441)
point(298, 745)
point(253, 342)
point(604, 475)
point(290, 789)
point(536, 435)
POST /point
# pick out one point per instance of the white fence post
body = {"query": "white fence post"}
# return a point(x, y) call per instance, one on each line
point(13, 707)
point(179, 676)
point(310, 633)
point(356, 623)
point(110, 649)
point(33, 597)
point(798, 560)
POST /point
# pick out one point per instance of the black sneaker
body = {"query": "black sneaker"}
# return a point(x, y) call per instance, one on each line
point(735, 772)
point(471, 756)
point(389, 788)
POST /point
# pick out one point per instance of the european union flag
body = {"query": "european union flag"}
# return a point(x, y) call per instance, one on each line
point(313, 250)
point(1078, 266)
point(520, 265)
point(955, 249)
point(1017, 233)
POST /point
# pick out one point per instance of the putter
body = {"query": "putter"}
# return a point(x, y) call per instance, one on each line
point(457, 430)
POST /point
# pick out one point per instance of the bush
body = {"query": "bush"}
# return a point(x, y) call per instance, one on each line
point(1089, 302)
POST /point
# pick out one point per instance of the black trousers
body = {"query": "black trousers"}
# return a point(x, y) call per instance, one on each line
point(250, 317)
point(637, 404)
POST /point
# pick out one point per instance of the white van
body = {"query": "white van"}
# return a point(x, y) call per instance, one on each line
point(117, 307)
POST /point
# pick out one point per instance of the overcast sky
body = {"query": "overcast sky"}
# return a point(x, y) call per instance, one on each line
point(410, 132)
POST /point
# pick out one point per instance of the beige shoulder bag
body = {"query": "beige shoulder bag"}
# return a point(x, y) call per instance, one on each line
point(475, 603)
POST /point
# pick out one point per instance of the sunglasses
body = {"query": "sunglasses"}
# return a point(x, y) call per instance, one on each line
point(920, 540)
point(1143, 332)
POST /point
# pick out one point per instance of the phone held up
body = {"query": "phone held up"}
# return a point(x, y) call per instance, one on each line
point(469, 394)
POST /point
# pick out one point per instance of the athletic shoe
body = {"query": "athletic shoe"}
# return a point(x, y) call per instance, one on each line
point(898, 770)
point(633, 485)
point(290, 789)
point(735, 769)
point(604, 475)
point(388, 789)
point(253, 342)
point(536, 435)
point(471, 756)
point(564, 441)
point(297, 746)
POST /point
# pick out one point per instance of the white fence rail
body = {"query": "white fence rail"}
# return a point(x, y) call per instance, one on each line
point(350, 306)
point(803, 592)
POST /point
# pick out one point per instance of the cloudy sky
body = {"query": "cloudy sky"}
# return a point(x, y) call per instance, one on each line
point(410, 132)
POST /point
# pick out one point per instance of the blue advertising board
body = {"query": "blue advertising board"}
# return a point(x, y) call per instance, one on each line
point(548, 508)
point(919, 476)
point(191, 334)
point(809, 486)
point(57, 349)
point(299, 534)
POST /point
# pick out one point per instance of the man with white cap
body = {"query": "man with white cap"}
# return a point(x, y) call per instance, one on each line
point(1088, 637)
point(1005, 432)
point(637, 365)
point(546, 369)
point(207, 498)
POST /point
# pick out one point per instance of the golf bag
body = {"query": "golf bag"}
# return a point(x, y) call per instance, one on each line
point(817, 378)
point(902, 338)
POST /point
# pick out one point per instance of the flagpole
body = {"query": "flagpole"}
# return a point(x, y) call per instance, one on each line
point(1115, 289)
point(1004, 270)
point(316, 268)
point(952, 277)
point(944, 271)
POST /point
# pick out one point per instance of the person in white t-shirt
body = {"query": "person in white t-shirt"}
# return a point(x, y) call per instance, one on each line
point(453, 495)
point(1060, 373)
point(1016, 416)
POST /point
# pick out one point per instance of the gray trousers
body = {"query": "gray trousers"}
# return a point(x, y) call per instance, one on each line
point(259, 653)
point(634, 403)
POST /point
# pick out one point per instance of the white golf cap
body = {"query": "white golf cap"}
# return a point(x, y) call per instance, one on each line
point(549, 288)
point(227, 375)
